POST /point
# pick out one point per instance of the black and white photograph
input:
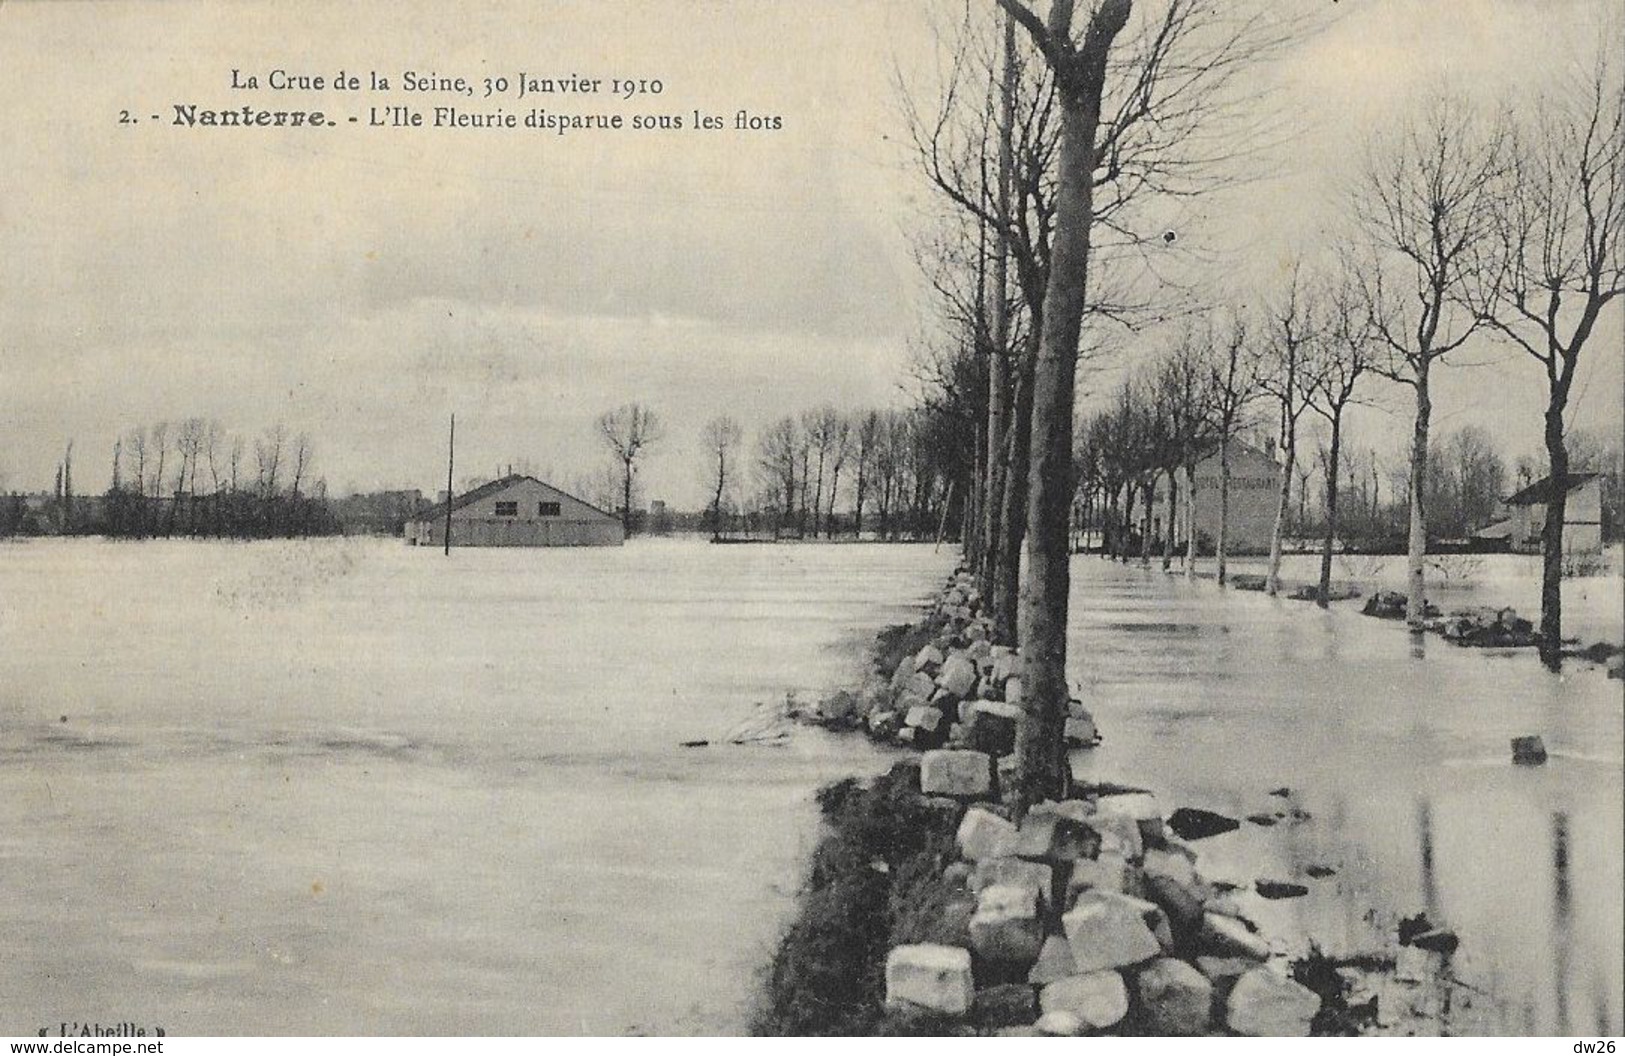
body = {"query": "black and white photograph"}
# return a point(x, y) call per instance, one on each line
point(789, 518)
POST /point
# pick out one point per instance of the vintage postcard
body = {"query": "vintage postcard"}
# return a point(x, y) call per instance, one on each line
point(959, 517)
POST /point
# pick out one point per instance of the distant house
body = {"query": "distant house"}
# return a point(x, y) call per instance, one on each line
point(1526, 520)
point(380, 512)
point(516, 511)
point(1255, 489)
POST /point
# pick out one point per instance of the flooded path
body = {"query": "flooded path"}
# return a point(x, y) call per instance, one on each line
point(1399, 753)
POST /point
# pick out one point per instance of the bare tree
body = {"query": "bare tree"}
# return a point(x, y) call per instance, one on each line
point(159, 435)
point(776, 458)
point(1428, 202)
point(1233, 385)
point(268, 457)
point(1347, 357)
point(867, 434)
point(1080, 76)
point(820, 427)
point(1562, 244)
point(1184, 389)
point(840, 449)
point(628, 431)
point(1291, 371)
point(722, 436)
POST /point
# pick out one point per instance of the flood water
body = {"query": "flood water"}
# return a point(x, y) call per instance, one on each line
point(353, 787)
point(1398, 750)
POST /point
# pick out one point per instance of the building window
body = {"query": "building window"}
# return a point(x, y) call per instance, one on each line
point(547, 509)
point(507, 509)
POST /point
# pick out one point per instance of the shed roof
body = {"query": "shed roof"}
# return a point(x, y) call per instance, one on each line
point(485, 491)
point(1543, 490)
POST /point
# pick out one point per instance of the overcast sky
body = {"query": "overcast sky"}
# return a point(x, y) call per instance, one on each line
point(360, 284)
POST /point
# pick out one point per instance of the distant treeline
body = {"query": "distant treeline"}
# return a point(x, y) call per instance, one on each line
point(187, 478)
point(211, 489)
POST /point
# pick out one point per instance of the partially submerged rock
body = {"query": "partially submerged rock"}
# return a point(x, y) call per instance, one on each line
point(1193, 823)
point(1528, 751)
point(1278, 889)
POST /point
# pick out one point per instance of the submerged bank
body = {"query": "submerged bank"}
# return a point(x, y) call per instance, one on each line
point(1356, 905)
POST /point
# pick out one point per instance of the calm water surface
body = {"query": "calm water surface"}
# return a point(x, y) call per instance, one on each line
point(352, 787)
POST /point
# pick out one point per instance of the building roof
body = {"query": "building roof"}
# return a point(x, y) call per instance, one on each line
point(485, 491)
point(1542, 491)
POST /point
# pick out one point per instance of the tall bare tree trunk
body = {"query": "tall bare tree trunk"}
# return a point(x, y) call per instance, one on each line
point(995, 525)
point(1222, 545)
point(1013, 502)
point(1417, 545)
point(1190, 520)
point(1272, 582)
point(1551, 540)
point(1331, 511)
point(1168, 527)
point(1145, 518)
point(1080, 75)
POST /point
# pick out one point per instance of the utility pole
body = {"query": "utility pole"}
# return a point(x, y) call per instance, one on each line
point(451, 455)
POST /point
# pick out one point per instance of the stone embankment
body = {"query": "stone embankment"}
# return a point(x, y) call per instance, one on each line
point(1087, 915)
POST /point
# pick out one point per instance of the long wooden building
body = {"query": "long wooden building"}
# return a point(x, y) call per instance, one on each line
point(516, 510)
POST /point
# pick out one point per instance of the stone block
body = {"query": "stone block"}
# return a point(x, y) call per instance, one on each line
point(1036, 875)
point(1006, 928)
point(1054, 962)
point(1223, 936)
point(920, 686)
point(1098, 999)
point(1106, 933)
point(958, 675)
point(1171, 882)
point(1264, 1005)
point(923, 716)
point(994, 725)
point(1119, 834)
point(928, 659)
point(1081, 733)
point(1052, 837)
point(1059, 1025)
point(956, 772)
point(1012, 690)
point(1142, 807)
point(983, 834)
point(1108, 872)
point(930, 976)
point(1175, 999)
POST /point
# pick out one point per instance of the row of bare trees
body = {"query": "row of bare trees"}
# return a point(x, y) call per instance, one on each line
point(1065, 132)
point(195, 477)
point(1509, 225)
point(1060, 143)
point(890, 473)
